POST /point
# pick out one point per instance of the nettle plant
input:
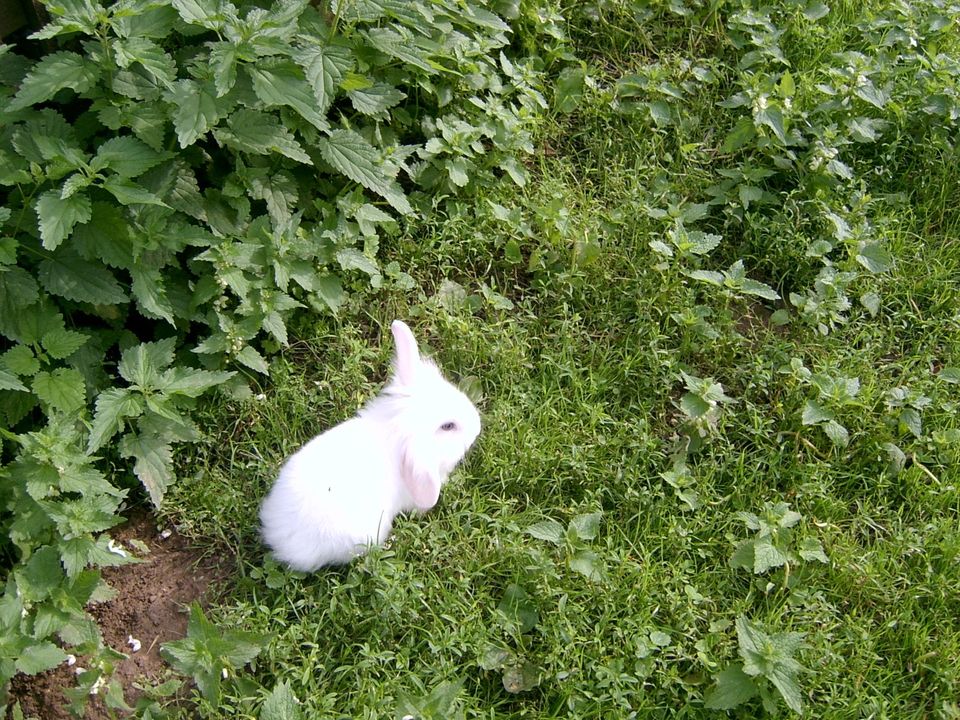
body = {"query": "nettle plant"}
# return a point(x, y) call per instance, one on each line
point(812, 145)
point(177, 179)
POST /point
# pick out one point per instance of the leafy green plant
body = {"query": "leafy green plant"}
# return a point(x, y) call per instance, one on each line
point(768, 659)
point(281, 704)
point(734, 283)
point(574, 540)
point(438, 704)
point(209, 654)
point(517, 614)
point(701, 404)
point(773, 545)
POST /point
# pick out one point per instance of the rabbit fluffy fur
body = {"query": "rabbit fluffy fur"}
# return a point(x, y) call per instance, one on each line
point(341, 491)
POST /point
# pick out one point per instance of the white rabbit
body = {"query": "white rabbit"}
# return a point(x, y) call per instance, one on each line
point(341, 491)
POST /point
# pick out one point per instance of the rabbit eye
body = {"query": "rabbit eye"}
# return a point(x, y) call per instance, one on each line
point(448, 426)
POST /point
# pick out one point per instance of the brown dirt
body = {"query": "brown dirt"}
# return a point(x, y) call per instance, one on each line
point(149, 606)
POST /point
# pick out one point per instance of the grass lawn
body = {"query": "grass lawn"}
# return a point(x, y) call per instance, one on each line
point(713, 341)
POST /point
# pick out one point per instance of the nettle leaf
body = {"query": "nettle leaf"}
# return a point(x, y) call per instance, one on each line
point(60, 344)
point(69, 17)
point(457, 169)
point(766, 555)
point(375, 99)
point(693, 406)
point(189, 382)
point(52, 74)
point(521, 677)
point(734, 687)
point(875, 258)
point(785, 681)
point(210, 14)
point(126, 156)
point(871, 301)
point(812, 549)
point(549, 530)
point(207, 650)
point(8, 246)
point(141, 364)
point(709, 276)
point(27, 324)
point(759, 289)
point(400, 43)
point(589, 564)
point(910, 418)
point(281, 704)
point(128, 192)
point(78, 553)
point(518, 608)
point(62, 389)
point(837, 433)
point(329, 291)
point(195, 110)
point(113, 406)
point(569, 89)
point(40, 575)
point(150, 292)
point(20, 360)
point(950, 375)
point(697, 242)
point(324, 67)
point(139, 49)
point(11, 382)
point(772, 117)
point(353, 259)
point(814, 413)
point(59, 215)
point(250, 357)
point(39, 657)
point(587, 525)
point(273, 323)
point(349, 153)
point(70, 276)
point(262, 134)
point(153, 462)
point(224, 57)
point(106, 236)
point(284, 84)
point(280, 193)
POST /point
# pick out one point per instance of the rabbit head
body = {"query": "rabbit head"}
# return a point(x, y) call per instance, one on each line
point(433, 423)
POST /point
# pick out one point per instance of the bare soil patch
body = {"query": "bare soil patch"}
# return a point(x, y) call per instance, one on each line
point(149, 606)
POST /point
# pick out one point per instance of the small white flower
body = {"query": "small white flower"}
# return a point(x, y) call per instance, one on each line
point(99, 683)
point(260, 397)
point(71, 660)
point(133, 643)
point(116, 548)
point(224, 674)
point(166, 533)
point(78, 670)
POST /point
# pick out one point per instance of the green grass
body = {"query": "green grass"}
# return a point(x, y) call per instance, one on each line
point(581, 383)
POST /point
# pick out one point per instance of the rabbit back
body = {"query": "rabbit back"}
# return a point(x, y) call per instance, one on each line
point(336, 495)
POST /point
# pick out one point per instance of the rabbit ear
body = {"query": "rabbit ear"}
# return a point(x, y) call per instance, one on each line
point(422, 483)
point(408, 355)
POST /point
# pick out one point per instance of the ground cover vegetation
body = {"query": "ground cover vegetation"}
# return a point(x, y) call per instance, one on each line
point(697, 263)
